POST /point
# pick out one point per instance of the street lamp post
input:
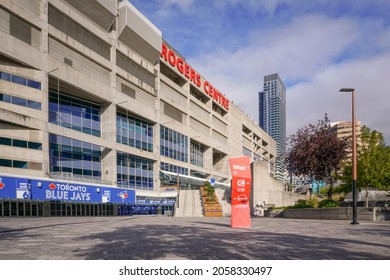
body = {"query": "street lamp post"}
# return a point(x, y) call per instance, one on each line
point(354, 163)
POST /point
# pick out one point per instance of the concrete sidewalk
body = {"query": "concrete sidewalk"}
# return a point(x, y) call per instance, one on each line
point(160, 237)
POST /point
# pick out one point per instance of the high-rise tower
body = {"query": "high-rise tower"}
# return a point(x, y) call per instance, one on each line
point(272, 117)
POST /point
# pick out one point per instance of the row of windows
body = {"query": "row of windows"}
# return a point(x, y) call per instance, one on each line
point(20, 101)
point(134, 182)
point(173, 144)
point(75, 114)
point(19, 80)
point(172, 153)
point(134, 132)
point(68, 144)
point(196, 154)
point(134, 172)
point(174, 168)
point(83, 173)
point(20, 143)
point(84, 116)
point(20, 164)
point(74, 156)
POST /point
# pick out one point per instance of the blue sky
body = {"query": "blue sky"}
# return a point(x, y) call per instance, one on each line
point(316, 46)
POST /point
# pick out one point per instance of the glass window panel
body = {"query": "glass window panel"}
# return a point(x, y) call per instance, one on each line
point(5, 76)
point(87, 130)
point(5, 162)
point(96, 132)
point(67, 169)
point(76, 121)
point(5, 141)
point(96, 159)
point(19, 101)
point(77, 102)
point(18, 80)
point(87, 157)
point(96, 165)
point(19, 143)
point(55, 168)
point(95, 118)
point(33, 84)
point(20, 164)
point(78, 164)
point(34, 104)
point(5, 98)
point(77, 171)
point(87, 172)
point(76, 111)
point(95, 125)
point(87, 164)
point(76, 114)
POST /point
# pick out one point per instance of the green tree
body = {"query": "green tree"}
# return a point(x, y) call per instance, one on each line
point(315, 151)
point(373, 163)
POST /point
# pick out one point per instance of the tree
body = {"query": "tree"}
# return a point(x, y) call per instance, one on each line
point(315, 151)
point(373, 162)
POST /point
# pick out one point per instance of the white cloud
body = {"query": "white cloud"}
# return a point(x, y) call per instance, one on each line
point(316, 46)
point(307, 51)
point(307, 102)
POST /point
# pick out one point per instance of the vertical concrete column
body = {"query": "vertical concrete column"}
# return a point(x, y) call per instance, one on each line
point(156, 134)
point(208, 158)
point(108, 119)
point(45, 86)
point(157, 163)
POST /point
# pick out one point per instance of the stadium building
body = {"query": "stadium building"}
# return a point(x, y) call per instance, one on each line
point(101, 116)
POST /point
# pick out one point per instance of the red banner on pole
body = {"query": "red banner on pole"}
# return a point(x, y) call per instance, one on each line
point(241, 187)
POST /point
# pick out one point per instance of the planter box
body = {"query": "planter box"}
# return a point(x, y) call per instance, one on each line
point(211, 207)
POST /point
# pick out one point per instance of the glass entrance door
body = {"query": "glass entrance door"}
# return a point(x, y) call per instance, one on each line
point(34, 209)
point(68, 210)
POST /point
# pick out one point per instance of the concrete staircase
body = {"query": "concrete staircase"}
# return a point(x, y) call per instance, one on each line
point(190, 204)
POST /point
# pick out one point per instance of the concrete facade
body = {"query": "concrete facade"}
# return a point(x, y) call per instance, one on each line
point(107, 54)
point(269, 192)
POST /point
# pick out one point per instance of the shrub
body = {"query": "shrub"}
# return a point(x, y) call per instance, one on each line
point(209, 189)
point(311, 202)
point(301, 203)
point(326, 203)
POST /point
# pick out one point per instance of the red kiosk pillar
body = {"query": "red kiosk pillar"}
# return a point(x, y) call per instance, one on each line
point(241, 186)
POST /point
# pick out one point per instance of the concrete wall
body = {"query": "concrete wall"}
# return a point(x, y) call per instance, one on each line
point(267, 190)
point(342, 213)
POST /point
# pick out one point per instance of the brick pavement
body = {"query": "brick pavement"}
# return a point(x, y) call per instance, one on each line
point(160, 237)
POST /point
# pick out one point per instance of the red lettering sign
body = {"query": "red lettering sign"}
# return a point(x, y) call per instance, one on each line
point(190, 74)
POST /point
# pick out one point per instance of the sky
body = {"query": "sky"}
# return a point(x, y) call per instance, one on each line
point(316, 46)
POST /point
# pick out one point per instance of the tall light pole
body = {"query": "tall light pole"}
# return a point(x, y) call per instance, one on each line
point(354, 163)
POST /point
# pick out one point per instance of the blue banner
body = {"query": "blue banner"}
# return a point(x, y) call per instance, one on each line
point(24, 188)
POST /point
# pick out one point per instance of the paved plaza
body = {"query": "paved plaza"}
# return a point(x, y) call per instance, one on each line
point(160, 237)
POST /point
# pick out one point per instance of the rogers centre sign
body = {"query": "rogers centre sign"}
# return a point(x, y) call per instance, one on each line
point(190, 74)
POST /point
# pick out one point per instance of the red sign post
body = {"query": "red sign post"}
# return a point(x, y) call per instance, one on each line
point(241, 186)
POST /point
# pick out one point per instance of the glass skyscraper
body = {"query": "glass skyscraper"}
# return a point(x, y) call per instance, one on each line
point(272, 117)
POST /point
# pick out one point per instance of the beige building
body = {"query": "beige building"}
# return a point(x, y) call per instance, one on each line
point(343, 129)
point(92, 94)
